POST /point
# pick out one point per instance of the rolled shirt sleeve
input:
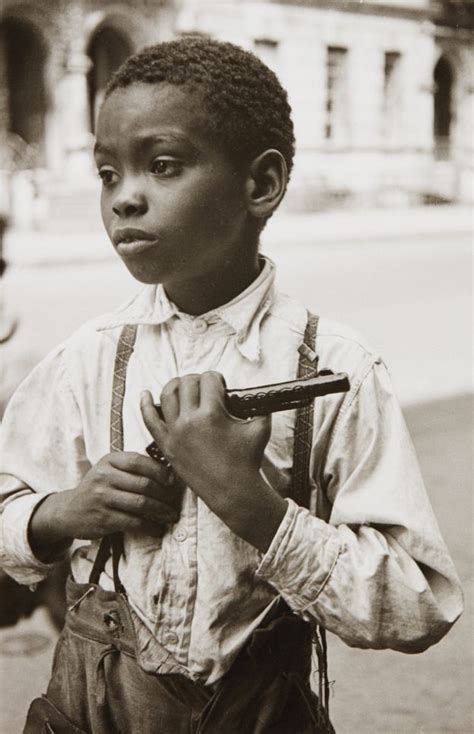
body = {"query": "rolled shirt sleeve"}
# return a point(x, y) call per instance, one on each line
point(41, 451)
point(378, 574)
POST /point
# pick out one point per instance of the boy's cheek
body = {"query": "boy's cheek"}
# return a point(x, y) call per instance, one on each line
point(106, 214)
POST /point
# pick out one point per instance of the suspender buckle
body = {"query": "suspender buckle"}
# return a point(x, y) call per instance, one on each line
point(309, 354)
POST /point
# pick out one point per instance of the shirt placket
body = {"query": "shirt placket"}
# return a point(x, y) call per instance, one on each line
point(175, 606)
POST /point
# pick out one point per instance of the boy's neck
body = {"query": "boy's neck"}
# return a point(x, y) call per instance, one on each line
point(208, 292)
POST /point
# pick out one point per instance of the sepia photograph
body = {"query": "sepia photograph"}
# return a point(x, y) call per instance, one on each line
point(236, 366)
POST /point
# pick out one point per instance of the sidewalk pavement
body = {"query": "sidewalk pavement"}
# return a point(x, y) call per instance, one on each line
point(35, 248)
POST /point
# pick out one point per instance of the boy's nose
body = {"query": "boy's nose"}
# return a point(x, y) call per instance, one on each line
point(129, 205)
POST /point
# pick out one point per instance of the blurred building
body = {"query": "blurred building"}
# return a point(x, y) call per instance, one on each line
point(381, 90)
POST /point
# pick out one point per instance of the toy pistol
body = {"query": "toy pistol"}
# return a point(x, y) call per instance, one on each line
point(249, 402)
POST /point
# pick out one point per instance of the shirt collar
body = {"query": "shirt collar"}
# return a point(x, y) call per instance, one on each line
point(244, 314)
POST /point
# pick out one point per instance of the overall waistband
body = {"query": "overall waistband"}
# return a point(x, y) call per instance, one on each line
point(100, 615)
point(283, 640)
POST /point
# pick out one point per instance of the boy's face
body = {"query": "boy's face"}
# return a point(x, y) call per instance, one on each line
point(172, 203)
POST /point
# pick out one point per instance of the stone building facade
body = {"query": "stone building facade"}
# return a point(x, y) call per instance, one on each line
point(381, 90)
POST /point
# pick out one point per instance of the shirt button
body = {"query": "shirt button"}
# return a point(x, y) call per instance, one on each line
point(170, 638)
point(181, 535)
point(199, 326)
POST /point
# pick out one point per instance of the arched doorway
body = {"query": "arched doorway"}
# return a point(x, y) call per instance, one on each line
point(442, 120)
point(24, 104)
point(107, 49)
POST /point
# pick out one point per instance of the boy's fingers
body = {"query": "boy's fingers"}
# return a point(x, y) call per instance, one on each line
point(169, 399)
point(136, 484)
point(212, 389)
point(152, 420)
point(140, 506)
point(189, 392)
point(261, 423)
point(139, 465)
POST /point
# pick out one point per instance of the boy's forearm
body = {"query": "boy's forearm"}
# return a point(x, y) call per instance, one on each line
point(253, 511)
point(47, 534)
point(253, 514)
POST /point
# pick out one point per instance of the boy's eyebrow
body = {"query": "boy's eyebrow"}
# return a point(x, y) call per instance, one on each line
point(99, 148)
point(141, 142)
point(161, 137)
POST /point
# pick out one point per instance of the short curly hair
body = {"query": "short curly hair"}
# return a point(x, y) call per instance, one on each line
point(247, 107)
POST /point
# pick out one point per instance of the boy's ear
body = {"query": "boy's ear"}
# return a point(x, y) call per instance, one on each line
point(266, 183)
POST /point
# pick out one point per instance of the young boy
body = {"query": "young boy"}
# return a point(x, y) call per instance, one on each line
point(201, 618)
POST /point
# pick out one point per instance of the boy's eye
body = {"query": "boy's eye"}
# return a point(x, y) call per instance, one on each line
point(108, 176)
point(166, 167)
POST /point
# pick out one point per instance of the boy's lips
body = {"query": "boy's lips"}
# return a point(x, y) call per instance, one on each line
point(130, 241)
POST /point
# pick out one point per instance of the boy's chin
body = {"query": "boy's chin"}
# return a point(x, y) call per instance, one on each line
point(143, 275)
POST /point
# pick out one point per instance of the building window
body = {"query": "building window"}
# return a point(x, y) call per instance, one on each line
point(107, 49)
point(391, 96)
point(23, 102)
point(443, 91)
point(336, 127)
point(267, 51)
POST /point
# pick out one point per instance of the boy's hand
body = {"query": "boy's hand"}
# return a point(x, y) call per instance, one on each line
point(216, 455)
point(123, 491)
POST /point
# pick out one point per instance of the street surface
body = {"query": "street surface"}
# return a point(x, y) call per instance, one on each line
point(411, 297)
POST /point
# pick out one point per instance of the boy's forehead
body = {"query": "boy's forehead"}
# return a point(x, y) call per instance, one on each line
point(147, 109)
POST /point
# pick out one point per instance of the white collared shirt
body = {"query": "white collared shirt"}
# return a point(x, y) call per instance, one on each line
point(377, 573)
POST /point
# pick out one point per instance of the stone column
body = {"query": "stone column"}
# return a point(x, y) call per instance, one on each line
point(73, 98)
point(75, 116)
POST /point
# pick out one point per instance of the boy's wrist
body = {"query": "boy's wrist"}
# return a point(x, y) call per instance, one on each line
point(253, 511)
point(47, 534)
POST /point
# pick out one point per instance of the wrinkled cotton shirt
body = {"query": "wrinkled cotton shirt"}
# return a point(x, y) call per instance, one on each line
point(374, 570)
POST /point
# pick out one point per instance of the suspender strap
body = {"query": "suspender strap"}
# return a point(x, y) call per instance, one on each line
point(125, 347)
point(307, 367)
point(114, 543)
point(100, 560)
point(301, 490)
